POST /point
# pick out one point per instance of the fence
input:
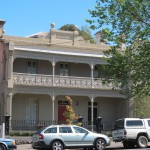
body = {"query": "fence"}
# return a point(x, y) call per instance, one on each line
point(32, 125)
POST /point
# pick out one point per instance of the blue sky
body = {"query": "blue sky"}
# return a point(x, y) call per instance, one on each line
point(25, 17)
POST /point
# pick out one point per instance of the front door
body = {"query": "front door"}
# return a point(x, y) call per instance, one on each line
point(61, 109)
point(61, 117)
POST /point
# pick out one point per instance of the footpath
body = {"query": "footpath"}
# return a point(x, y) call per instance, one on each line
point(21, 139)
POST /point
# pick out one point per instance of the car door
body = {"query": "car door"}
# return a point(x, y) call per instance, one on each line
point(50, 134)
point(147, 123)
point(83, 136)
point(67, 135)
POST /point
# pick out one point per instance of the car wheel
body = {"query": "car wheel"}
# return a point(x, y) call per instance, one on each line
point(2, 147)
point(142, 142)
point(57, 145)
point(100, 144)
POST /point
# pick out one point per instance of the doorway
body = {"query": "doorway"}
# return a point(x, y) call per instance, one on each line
point(61, 110)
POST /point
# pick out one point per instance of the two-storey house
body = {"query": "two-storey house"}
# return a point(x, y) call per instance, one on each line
point(38, 71)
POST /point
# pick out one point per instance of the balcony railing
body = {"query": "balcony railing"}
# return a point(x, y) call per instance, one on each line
point(32, 79)
point(58, 81)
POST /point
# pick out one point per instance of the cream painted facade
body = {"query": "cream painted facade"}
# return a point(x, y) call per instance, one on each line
point(37, 73)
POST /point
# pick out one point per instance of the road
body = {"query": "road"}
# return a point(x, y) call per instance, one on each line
point(114, 146)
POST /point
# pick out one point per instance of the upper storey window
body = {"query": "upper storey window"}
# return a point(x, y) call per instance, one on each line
point(32, 66)
point(64, 69)
point(96, 72)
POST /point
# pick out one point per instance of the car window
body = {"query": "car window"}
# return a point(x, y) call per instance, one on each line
point(148, 121)
point(65, 130)
point(134, 123)
point(80, 130)
point(51, 130)
point(119, 124)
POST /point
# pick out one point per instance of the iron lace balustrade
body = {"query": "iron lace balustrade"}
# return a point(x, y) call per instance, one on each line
point(32, 79)
point(80, 82)
point(59, 81)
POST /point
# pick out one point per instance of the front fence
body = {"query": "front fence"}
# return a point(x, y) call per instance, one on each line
point(32, 125)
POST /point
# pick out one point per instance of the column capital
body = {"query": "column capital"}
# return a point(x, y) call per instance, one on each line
point(92, 100)
point(92, 66)
point(53, 64)
point(11, 46)
point(9, 94)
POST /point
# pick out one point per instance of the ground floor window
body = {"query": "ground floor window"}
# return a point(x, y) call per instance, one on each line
point(32, 105)
point(94, 112)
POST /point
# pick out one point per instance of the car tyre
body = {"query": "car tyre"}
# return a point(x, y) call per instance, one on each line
point(2, 147)
point(100, 144)
point(57, 145)
point(142, 142)
point(126, 144)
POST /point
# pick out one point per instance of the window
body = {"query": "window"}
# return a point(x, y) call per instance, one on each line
point(65, 130)
point(51, 130)
point(31, 110)
point(94, 112)
point(32, 66)
point(148, 121)
point(79, 130)
point(96, 72)
point(134, 123)
point(119, 124)
point(64, 69)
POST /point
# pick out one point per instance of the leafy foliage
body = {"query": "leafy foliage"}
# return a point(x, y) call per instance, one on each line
point(141, 70)
point(69, 27)
point(69, 113)
point(84, 32)
point(126, 22)
point(131, 66)
point(122, 20)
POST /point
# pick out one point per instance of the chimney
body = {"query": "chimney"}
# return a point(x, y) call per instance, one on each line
point(2, 22)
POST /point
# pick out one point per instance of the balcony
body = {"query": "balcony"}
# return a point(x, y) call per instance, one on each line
point(58, 81)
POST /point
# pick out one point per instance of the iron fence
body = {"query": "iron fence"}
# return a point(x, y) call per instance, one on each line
point(32, 125)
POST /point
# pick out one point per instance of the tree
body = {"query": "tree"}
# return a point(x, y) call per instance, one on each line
point(69, 27)
point(69, 113)
point(84, 32)
point(126, 22)
point(122, 17)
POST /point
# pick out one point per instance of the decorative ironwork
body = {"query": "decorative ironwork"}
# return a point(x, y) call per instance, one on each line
point(33, 125)
point(59, 81)
point(32, 79)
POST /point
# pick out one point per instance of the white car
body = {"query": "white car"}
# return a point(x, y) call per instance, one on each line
point(68, 136)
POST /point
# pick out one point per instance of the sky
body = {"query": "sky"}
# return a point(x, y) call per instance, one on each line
point(26, 17)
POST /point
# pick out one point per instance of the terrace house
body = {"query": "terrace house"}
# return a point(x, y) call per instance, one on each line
point(38, 71)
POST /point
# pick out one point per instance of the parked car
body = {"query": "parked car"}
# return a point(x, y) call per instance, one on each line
point(7, 144)
point(132, 132)
point(68, 136)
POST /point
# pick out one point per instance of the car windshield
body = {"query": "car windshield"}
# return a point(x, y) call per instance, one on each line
point(119, 124)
